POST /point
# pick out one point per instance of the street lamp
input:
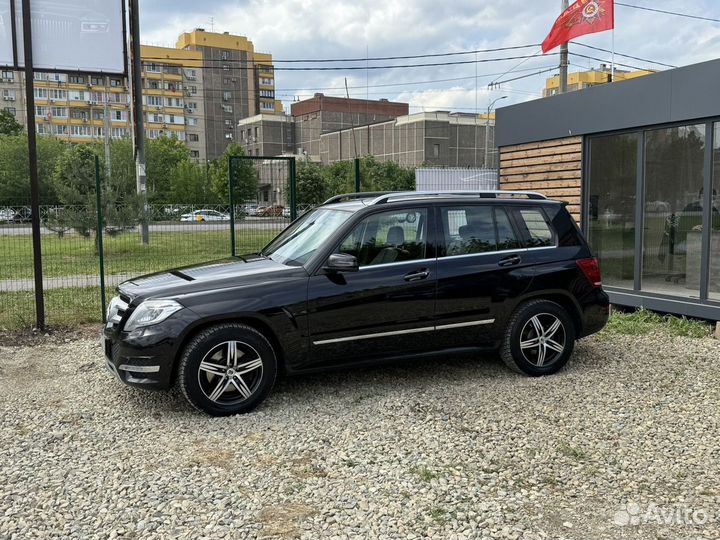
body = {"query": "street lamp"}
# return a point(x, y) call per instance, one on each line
point(487, 128)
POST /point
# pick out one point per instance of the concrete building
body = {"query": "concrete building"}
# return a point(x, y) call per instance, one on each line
point(434, 138)
point(237, 83)
point(593, 77)
point(322, 114)
point(267, 134)
point(639, 164)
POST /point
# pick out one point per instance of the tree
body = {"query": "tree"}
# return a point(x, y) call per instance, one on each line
point(189, 184)
point(14, 169)
point(74, 182)
point(8, 124)
point(162, 156)
point(245, 177)
point(312, 186)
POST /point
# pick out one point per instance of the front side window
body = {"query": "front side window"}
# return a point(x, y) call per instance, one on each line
point(476, 229)
point(388, 237)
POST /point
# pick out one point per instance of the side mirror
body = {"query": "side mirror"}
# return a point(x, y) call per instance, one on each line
point(341, 262)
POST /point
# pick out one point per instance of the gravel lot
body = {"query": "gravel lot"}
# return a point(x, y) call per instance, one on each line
point(450, 448)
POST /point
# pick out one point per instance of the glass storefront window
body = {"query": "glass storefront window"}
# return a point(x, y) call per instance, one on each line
point(611, 225)
point(714, 288)
point(672, 236)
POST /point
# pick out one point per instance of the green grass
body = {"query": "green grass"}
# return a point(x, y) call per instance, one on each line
point(425, 474)
point(124, 253)
point(643, 322)
point(63, 307)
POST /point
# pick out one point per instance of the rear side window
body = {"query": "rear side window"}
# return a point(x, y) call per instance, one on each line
point(476, 229)
point(535, 228)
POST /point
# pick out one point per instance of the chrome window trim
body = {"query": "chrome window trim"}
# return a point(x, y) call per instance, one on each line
point(500, 252)
point(403, 332)
point(415, 261)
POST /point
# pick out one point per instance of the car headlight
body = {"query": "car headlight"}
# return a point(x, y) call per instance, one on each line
point(114, 310)
point(151, 312)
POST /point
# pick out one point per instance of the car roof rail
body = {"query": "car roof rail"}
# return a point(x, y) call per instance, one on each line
point(485, 194)
point(356, 196)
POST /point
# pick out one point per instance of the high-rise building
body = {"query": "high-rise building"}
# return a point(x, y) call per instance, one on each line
point(237, 83)
point(593, 77)
point(196, 92)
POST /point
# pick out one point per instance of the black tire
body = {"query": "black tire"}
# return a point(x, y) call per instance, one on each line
point(538, 355)
point(219, 387)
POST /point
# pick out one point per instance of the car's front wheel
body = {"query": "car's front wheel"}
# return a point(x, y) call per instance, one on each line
point(227, 369)
point(539, 339)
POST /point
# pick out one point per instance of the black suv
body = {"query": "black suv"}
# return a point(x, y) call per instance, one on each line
point(363, 278)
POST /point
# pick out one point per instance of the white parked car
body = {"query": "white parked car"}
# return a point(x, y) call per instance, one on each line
point(205, 215)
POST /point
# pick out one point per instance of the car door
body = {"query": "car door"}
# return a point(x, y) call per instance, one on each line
point(481, 264)
point(386, 307)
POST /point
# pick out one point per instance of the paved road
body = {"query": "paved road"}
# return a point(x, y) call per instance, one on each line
point(275, 224)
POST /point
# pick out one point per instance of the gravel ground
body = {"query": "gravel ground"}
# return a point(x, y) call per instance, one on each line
point(622, 444)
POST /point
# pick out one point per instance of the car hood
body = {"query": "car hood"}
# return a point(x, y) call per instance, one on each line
point(224, 273)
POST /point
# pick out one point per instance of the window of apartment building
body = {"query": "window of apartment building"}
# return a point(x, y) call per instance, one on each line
point(77, 95)
point(226, 81)
point(193, 137)
point(172, 70)
point(59, 129)
point(119, 115)
point(227, 108)
point(54, 93)
point(77, 79)
point(152, 133)
point(155, 118)
point(226, 67)
point(41, 110)
point(8, 75)
point(98, 115)
point(257, 132)
point(225, 55)
point(436, 150)
point(40, 93)
point(266, 81)
point(227, 96)
point(152, 67)
point(228, 122)
point(11, 110)
point(42, 129)
point(96, 81)
point(59, 112)
point(193, 90)
point(172, 86)
point(97, 97)
point(153, 84)
point(267, 106)
point(78, 114)
point(116, 82)
point(155, 101)
point(174, 102)
point(119, 133)
point(171, 119)
point(194, 154)
point(267, 93)
point(191, 74)
point(191, 121)
point(8, 95)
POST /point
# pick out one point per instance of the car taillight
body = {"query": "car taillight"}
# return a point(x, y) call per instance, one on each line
point(591, 269)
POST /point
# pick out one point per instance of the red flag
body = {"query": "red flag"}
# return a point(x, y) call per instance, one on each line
point(581, 18)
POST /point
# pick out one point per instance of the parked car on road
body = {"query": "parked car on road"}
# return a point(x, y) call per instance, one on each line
point(7, 215)
point(205, 215)
point(270, 211)
point(250, 209)
point(363, 280)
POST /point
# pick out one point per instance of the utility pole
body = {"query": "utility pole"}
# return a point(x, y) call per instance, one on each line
point(564, 56)
point(138, 116)
point(107, 127)
point(487, 130)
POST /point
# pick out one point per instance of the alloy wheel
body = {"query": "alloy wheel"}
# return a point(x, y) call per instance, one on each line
point(542, 339)
point(230, 373)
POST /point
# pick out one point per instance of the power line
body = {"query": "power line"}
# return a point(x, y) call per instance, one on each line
point(524, 76)
point(608, 61)
point(626, 55)
point(675, 13)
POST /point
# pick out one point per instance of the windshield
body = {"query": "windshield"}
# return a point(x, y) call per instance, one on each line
point(296, 244)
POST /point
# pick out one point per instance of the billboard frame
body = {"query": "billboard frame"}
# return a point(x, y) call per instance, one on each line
point(16, 64)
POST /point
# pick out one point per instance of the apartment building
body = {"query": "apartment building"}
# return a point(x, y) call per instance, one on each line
point(237, 83)
point(580, 80)
point(267, 135)
point(196, 92)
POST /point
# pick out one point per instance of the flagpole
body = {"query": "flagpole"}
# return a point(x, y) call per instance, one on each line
point(612, 64)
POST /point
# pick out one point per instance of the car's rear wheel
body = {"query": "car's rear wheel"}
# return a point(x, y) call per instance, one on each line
point(227, 369)
point(539, 339)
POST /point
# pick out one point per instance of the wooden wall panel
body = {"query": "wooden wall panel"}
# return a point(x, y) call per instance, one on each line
point(553, 168)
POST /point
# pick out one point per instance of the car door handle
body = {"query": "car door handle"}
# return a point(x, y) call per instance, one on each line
point(510, 260)
point(418, 275)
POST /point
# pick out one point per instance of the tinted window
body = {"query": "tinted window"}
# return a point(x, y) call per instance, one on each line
point(388, 237)
point(535, 227)
point(476, 229)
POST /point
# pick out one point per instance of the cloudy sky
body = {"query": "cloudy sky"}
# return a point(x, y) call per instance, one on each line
point(312, 29)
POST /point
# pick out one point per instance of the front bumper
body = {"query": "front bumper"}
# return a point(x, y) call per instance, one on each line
point(146, 357)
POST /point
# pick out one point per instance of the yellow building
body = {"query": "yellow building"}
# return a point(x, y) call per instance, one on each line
point(196, 92)
point(585, 79)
